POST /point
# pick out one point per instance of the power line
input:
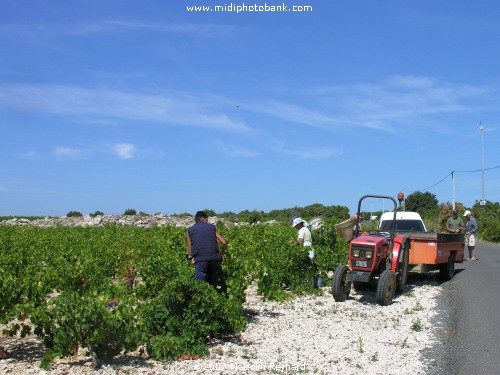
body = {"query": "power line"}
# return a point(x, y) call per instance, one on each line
point(451, 173)
point(479, 170)
point(430, 187)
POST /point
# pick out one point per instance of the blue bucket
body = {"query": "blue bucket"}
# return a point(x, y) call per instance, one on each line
point(318, 281)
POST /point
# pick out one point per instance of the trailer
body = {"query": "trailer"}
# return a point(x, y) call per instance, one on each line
point(435, 251)
point(429, 251)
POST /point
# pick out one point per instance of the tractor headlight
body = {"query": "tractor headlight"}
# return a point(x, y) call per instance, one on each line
point(355, 253)
point(369, 255)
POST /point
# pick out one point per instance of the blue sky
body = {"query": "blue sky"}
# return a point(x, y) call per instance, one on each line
point(109, 105)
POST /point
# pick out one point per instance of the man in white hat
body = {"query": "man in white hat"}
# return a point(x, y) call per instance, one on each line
point(304, 237)
point(470, 234)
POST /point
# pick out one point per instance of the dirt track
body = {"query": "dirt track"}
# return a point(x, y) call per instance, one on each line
point(311, 334)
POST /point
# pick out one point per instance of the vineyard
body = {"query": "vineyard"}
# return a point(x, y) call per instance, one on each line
point(113, 290)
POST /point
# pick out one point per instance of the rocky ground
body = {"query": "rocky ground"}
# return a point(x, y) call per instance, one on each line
point(311, 334)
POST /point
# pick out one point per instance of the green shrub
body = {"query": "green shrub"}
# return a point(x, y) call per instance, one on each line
point(254, 217)
point(488, 221)
point(74, 214)
point(169, 347)
point(71, 320)
point(330, 250)
point(130, 212)
point(284, 264)
point(184, 314)
point(416, 325)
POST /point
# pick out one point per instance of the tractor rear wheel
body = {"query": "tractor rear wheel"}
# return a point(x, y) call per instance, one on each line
point(386, 288)
point(447, 270)
point(341, 286)
point(402, 271)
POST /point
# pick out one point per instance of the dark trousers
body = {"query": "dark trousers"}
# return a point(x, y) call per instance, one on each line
point(211, 272)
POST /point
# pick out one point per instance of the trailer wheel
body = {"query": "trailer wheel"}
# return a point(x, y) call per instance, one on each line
point(447, 270)
point(403, 272)
point(341, 286)
point(386, 288)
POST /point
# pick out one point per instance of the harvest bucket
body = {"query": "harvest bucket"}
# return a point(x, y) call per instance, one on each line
point(318, 281)
point(344, 229)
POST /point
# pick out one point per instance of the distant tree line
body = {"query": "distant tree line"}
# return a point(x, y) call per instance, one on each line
point(330, 213)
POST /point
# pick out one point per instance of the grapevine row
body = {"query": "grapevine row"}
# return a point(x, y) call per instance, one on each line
point(112, 290)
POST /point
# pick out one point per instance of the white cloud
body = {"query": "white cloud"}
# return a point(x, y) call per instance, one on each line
point(384, 105)
point(315, 154)
point(124, 150)
point(405, 96)
point(298, 114)
point(106, 26)
point(53, 30)
point(5, 186)
point(236, 151)
point(30, 155)
point(101, 105)
point(67, 153)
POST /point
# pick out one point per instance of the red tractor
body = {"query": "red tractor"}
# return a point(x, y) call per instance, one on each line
point(379, 257)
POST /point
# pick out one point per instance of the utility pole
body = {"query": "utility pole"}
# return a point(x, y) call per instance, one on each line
point(481, 127)
point(453, 188)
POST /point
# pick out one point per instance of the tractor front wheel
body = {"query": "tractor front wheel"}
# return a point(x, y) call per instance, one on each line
point(386, 288)
point(341, 286)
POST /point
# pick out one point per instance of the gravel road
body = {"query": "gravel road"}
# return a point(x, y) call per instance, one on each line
point(471, 298)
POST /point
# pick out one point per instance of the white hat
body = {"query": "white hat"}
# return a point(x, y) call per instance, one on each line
point(467, 213)
point(298, 220)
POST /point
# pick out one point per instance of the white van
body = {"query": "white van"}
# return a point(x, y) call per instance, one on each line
point(405, 221)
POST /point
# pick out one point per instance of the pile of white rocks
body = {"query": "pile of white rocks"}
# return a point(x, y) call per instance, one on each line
point(142, 221)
